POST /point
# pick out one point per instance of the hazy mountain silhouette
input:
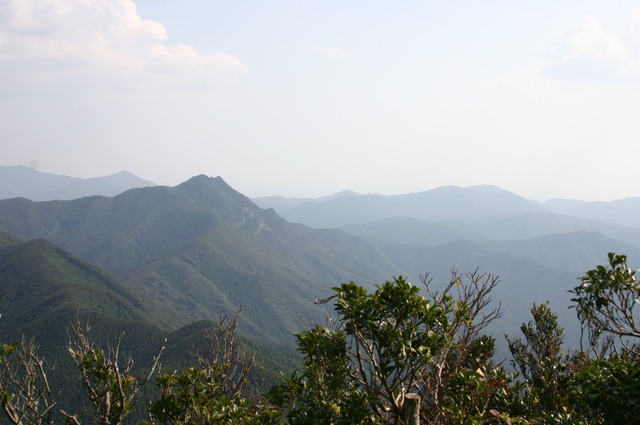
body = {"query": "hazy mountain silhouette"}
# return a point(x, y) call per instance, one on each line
point(623, 211)
point(20, 181)
point(501, 227)
point(447, 203)
point(443, 203)
point(574, 252)
point(280, 203)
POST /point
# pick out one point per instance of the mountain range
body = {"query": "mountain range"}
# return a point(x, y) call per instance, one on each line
point(20, 181)
point(446, 203)
point(160, 259)
point(201, 247)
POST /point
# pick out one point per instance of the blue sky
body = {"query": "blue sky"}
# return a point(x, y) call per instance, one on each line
point(307, 98)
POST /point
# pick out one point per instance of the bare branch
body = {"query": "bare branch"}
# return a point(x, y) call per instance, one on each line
point(24, 375)
point(108, 382)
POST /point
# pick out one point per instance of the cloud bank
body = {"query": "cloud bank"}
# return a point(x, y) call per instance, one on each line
point(59, 39)
point(589, 51)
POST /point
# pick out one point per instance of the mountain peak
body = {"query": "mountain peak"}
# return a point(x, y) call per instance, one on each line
point(203, 183)
point(214, 192)
point(488, 188)
point(201, 179)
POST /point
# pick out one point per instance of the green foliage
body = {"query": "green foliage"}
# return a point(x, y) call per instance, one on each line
point(465, 353)
point(394, 341)
point(609, 390)
point(324, 393)
point(391, 341)
point(198, 396)
point(5, 396)
point(540, 360)
point(6, 349)
point(541, 393)
point(218, 391)
point(105, 395)
point(606, 301)
point(469, 394)
point(393, 334)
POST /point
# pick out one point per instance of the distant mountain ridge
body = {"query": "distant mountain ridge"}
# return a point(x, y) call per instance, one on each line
point(281, 203)
point(20, 181)
point(445, 203)
point(501, 227)
point(623, 211)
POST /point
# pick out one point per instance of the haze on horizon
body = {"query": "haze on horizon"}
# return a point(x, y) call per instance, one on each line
point(305, 99)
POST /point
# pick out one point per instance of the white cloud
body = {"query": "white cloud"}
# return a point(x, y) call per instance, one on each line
point(589, 51)
point(332, 53)
point(66, 38)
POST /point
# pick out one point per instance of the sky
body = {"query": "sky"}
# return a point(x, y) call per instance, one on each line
point(308, 98)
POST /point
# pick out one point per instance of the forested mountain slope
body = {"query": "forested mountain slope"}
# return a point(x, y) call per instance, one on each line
point(46, 290)
point(202, 246)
